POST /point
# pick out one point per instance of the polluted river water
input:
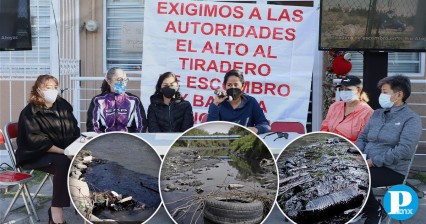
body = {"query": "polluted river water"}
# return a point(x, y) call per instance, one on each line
point(188, 177)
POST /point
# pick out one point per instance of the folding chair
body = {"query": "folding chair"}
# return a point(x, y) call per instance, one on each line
point(11, 132)
point(8, 178)
point(288, 126)
point(403, 182)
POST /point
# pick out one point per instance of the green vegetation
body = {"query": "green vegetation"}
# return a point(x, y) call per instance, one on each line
point(196, 132)
point(248, 145)
point(38, 177)
point(243, 144)
point(202, 143)
point(243, 166)
point(237, 130)
point(251, 146)
point(420, 176)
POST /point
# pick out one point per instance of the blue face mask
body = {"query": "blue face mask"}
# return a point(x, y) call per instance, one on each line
point(120, 87)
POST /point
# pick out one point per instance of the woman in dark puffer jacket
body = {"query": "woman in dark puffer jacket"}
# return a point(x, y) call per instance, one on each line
point(168, 111)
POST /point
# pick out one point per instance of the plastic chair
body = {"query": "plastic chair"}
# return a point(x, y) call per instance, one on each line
point(9, 178)
point(11, 132)
point(288, 126)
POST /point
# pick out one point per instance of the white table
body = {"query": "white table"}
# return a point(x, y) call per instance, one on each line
point(162, 141)
point(277, 146)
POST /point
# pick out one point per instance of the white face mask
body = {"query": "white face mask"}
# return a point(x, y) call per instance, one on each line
point(348, 96)
point(50, 95)
point(385, 100)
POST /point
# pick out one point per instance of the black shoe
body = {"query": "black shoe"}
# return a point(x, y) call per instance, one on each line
point(49, 212)
point(376, 217)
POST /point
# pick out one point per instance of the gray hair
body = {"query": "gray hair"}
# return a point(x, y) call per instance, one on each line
point(397, 83)
point(108, 77)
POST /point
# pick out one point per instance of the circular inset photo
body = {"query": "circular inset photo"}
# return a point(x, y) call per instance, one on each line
point(323, 178)
point(114, 177)
point(218, 172)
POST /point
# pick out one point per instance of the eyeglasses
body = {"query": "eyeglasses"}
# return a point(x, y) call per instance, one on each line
point(279, 134)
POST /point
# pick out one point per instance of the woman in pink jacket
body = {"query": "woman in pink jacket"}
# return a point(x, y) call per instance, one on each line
point(349, 116)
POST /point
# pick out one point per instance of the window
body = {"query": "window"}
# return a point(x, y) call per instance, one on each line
point(118, 14)
point(36, 61)
point(407, 63)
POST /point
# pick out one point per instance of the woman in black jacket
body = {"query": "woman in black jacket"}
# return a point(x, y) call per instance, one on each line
point(46, 127)
point(168, 111)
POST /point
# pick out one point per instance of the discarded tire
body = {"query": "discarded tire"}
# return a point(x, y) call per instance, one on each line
point(221, 210)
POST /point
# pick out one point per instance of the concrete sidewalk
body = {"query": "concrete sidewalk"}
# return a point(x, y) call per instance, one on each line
point(43, 203)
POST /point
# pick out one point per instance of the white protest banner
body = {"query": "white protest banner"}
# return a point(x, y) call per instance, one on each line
point(200, 41)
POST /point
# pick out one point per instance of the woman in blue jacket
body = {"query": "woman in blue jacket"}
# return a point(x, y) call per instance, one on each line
point(235, 106)
point(168, 111)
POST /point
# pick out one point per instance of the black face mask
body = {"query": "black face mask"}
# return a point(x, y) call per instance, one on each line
point(234, 92)
point(168, 92)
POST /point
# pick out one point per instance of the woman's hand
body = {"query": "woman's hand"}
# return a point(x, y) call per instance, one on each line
point(253, 129)
point(370, 163)
point(219, 99)
point(55, 149)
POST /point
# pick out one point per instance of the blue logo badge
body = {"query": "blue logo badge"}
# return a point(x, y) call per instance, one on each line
point(401, 202)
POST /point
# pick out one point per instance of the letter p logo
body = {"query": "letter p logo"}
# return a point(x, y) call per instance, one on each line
point(401, 202)
point(399, 199)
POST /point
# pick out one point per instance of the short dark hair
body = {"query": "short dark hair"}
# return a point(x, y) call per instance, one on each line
point(233, 72)
point(397, 83)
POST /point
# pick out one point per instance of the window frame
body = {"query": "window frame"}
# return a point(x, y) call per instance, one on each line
point(421, 73)
point(104, 41)
point(50, 47)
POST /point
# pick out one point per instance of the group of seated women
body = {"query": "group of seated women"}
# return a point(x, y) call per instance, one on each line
point(117, 110)
point(47, 125)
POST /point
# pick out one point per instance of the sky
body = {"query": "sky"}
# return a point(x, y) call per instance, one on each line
point(222, 127)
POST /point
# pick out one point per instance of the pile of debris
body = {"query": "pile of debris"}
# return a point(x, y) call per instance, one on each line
point(115, 202)
point(88, 202)
point(321, 182)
